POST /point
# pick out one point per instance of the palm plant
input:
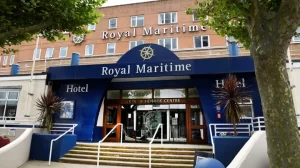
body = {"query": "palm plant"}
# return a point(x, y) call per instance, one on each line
point(230, 96)
point(48, 105)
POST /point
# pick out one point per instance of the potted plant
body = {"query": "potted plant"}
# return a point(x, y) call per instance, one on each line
point(229, 96)
point(48, 104)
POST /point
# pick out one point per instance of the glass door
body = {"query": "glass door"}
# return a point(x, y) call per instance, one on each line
point(177, 123)
point(197, 126)
point(112, 117)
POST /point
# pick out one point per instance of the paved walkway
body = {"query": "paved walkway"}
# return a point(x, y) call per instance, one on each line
point(44, 164)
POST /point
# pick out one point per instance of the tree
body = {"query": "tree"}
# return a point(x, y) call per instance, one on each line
point(48, 105)
point(266, 27)
point(230, 96)
point(21, 20)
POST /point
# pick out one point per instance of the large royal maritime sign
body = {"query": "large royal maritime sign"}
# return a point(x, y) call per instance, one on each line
point(149, 31)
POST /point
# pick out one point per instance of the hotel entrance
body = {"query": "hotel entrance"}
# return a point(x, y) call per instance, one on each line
point(141, 111)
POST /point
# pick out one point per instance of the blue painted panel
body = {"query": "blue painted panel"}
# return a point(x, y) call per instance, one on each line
point(87, 105)
point(75, 59)
point(40, 146)
point(163, 68)
point(226, 148)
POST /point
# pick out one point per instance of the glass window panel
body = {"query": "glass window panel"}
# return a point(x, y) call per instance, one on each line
point(13, 95)
point(161, 18)
point(205, 41)
point(12, 103)
point(63, 51)
point(113, 94)
point(197, 134)
point(298, 37)
point(174, 43)
point(92, 27)
point(174, 17)
point(12, 60)
point(197, 42)
point(11, 109)
point(111, 117)
point(113, 23)
point(89, 49)
point(111, 48)
point(133, 21)
point(49, 52)
point(2, 107)
point(140, 42)
point(247, 110)
point(169, 93)
point(132, 44)
point(5, 60)
point(161, 42)
point(167, 18)
point(113, 134)
point(37, 53)
point(177, 106)
point(136, 94)
point(3, 95)
point(193, 93)
point(168, 43)
point(196, 115)
point(140, 20)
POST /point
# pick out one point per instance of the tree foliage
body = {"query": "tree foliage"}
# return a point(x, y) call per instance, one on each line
point(21, 20)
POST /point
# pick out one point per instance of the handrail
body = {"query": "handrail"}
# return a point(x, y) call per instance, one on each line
point(18, 119)
point(119, 124)
point(161, 138)
point(50, 153)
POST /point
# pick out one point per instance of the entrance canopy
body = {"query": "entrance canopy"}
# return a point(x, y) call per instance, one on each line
point(149, 60)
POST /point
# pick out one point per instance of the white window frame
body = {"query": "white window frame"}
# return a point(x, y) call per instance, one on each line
point(47, 50)
point(171, 43)
point(201, 41)
point(196, 20)
point(164, 13)
point(91, 26)
point(296, 41)
point(135, 41)
point(12, 59)
point(86, 50)
point(63, 56)
point(65, 32)
point(34, 55)
point(250, 103)
point(5, 58)
point(7, 100)
point(136, 21)
point(114, 48)
point(109, 23)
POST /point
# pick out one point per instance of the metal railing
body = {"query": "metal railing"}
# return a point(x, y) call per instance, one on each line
point(53, 140)
point(119, 124)
point(62, 127)
point(217, 129)
point(258, 124)
point(18, 121)
point(161, 138)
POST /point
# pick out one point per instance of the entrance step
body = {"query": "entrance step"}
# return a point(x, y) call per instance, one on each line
point(135, 155)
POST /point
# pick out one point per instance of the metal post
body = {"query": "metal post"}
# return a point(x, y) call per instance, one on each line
point(258, 121)
point(161, 136)
point(50, 154)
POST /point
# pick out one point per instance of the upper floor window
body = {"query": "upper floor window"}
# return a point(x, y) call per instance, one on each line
point(112, 23)
point(8, 103)
point(12, 60)
point(92, 26)
point(133, 44)
point(111, 48)
point(63, 52)
point(247, 107)
point(195, 18)
point(49, 53)
point(170, 43)
point(297, 38)
point(137, 21)
point(201, 41)
point(89, 49)
point(37, 53)
point(165, 18)
point(5, 58)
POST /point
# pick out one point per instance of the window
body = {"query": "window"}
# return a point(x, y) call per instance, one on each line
point(111, 48)
point(37, 53)
point(133, 44)
point(65, 32)
point(63, 51)
point(5, 60)
point(170, 43)
point(12, 60)
point(89, 49)
point(247, 108)
point(297, 38)
point(201, 41)
point(137, 21)
point(92, 26)
point(169, 93)
point(113, 23)
point(137, 94)
point(195, 18)
point(166, 18)
point(8, 103)
point(49, 53)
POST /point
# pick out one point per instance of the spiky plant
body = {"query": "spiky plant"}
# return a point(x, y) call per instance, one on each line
point(48, 105)
point(229, 96)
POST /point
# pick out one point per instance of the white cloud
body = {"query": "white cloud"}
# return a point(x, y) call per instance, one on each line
point(123, 2)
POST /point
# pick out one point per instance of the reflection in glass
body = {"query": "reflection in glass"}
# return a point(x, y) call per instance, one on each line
point(113, 94)
point(2, 95)
point(169, 93)
point(112, 115)
point(13, 95)
point(197, 134)
point(178, 125)
point(196, 115)
point(137, 94)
